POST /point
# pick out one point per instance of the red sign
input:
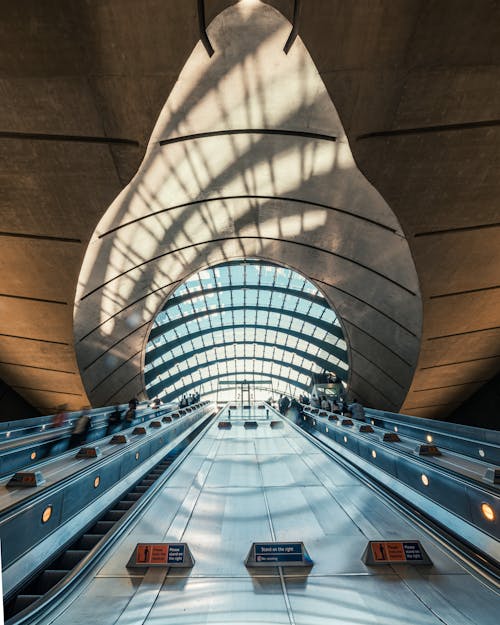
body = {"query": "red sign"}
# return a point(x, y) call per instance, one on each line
point(388, 552)
point(151, 553)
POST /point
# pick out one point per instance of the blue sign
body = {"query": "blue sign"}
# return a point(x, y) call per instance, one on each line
point(280, 553)
point(175, 554)
point(413, 551)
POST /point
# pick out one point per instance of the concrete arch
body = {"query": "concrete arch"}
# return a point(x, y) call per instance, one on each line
point(249, 158)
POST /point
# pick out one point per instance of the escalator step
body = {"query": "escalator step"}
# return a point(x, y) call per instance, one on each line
point(49, 578)
point(23, 601)
point(125, 504)
point(134, 496)
point(88, 541)
point(141, 489)
point(101, 527)
point(114, 515)
point(70, 558)
point(147, 482)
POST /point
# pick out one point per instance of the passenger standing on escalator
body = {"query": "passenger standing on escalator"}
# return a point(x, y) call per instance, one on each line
point(133, 403)
point(335, 407)
point(114, 420)
point(60, 418)
point(81, 429)
point(130, 414)
point(357, 410)
point(129, 418)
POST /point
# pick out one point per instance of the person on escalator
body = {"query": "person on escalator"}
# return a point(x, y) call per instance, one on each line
point(133, 403)
point(155, 404)
point(129, 417)
point(115, 418)
point(283, 405)
point(81, 429)
point(357, 410)
point(60, 418)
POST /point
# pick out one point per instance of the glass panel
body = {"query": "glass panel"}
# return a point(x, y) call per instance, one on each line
point(203, 345)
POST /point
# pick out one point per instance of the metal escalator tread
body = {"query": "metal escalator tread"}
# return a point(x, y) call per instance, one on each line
point(23, 601)
point(88, 541)
point(44, 582)
point(101, 527)
point(125, 504)
point(113, 515)
point(70, 558)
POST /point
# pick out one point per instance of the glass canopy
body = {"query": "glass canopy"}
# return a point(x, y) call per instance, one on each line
point(243, 329)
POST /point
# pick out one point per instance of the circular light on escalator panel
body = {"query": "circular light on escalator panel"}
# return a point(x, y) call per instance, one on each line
point(395, 428)
point(425, 479)
point(137, 455)
point(7, 435)
point(428, 438)
point(488, 512)
point(345, 439)
point(47, 513)
point(481, 453)
point(33, 455)
point(373, 421)
point(97, 481)
point(326, 430)
point(374, 453)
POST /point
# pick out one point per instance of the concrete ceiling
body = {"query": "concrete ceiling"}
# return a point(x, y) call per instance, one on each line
point(415, 85)
point(248, 158)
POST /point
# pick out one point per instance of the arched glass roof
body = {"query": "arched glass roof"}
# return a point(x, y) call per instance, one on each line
point(243, 324)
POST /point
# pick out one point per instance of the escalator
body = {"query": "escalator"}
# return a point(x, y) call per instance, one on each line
point(87, 545)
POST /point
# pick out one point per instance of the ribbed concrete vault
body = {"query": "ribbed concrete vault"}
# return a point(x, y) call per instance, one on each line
point(249, 159)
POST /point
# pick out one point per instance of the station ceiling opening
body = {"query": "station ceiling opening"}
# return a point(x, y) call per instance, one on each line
point(246, 322)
